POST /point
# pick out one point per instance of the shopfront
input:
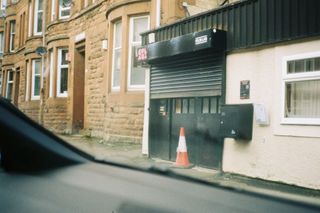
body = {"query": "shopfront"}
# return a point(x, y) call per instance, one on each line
point(186, 90)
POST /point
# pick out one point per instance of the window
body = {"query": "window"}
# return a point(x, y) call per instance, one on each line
point(53, 10)
point(30, 18)
point(9, 85)
point(116, 61)
point(27, 81)
point(1, 43)
point(22, 29)
point(301, 89)
point(0, 82)
point(3, 4)
point(38, 17)
point(64, 9)
point(12, 35)
point(36, 72)
point(211, 105)
point(184, 106)
point(51, 73)
point(136, 71)
point(62, 78)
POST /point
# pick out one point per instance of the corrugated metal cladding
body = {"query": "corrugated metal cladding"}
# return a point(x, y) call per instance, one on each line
point(187, 75)
point(252, 22)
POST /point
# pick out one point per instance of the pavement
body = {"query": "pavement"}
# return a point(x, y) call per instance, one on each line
point(130, 154)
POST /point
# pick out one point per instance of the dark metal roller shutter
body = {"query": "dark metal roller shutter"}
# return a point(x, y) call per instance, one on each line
point(187, 75)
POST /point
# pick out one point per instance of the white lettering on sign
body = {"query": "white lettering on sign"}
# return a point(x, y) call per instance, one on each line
point(201, 40)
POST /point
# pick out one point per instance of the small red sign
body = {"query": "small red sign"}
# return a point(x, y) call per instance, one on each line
point(142, 54)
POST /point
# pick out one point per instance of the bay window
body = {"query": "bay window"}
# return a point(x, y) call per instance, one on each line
point(38, 16)
point(116, 54)
point(301, 85)
point(62, 74)
point(136, 72)
point(36, 73)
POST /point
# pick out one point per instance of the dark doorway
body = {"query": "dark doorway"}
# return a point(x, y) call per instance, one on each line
point(200, 116)
point(78, 87)
point(16, 87)
point(160, 128)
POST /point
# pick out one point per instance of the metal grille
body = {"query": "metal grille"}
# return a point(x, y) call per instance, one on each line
point(188, 75)
point(251, 23)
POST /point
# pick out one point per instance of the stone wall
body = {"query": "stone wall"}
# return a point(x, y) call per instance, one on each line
point(91, 23)
point(124, 122)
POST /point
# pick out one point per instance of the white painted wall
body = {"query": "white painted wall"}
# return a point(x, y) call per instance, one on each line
point(145, 136)
point(277, 152)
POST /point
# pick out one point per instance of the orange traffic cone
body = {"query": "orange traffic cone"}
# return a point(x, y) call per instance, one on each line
point(182, 159)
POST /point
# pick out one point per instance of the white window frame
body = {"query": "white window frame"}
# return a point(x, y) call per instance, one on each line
point(62, 9)
point(59, 67)
point(116, 88)
point(35, 97)
point(51, 70)
point(3, 4)
point(12, 35)
point(1, 43)
point(53, 9)
point(36, 16)
point(9, 82)
point(296, 77)
point(131, 44)
point(28, 81)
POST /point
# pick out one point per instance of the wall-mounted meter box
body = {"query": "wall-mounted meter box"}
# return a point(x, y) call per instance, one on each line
point(236, 121)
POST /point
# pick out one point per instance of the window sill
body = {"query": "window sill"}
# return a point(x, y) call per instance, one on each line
point(115, 89)
point(35, 99)
point(56, 22)
point(136, 88)
point(62, 96)
point(32, 37)
point(300, 121)
point(63, 18)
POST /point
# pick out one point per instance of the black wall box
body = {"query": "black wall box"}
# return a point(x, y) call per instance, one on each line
point(236, 121)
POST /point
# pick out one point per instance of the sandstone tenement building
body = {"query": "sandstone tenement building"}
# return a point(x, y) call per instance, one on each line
point(70, 64)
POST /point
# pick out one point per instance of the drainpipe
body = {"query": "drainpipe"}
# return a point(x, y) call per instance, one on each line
point(43, 63)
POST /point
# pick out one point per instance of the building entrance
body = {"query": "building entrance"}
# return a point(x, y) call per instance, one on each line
point(200, 116)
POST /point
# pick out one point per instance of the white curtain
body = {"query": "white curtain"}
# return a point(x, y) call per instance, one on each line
point(303, 99)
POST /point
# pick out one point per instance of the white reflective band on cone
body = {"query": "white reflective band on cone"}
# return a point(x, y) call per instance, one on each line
point(182, 146)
